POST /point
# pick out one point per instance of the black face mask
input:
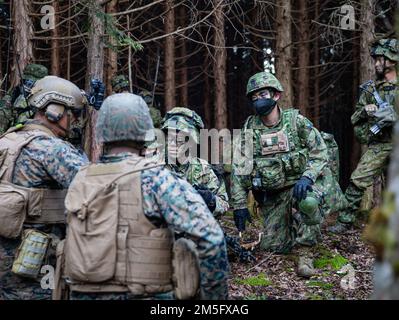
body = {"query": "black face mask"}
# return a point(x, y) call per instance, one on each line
point(264, 106)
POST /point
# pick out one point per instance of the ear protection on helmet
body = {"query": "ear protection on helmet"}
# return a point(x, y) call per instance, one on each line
point(54, 112)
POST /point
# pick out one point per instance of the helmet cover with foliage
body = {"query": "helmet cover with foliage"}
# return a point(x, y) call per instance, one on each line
point(119, 82)
point(34, 72)
point(387, 48)
point(183, 119)
point(262, 80)
point(56, 90)
point(124, 117)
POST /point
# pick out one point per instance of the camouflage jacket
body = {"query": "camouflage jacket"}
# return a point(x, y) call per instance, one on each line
point(310, 139)
point(362, 122)
point(12, 115)
point(198, 172)
point(168, 200)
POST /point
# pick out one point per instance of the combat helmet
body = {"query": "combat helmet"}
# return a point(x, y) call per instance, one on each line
point(124, 117)
point(34, 72)
point(183, 119)
point(54, 94)
point(387, 48)
point(119, 82)
point(263, 80)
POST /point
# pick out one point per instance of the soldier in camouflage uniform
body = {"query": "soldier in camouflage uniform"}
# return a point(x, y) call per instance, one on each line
point(379, 145)
point(13, 108)
point(289, 160)
point(124, 126)
point(45, 164)
point(198, 172)
point(121, 84)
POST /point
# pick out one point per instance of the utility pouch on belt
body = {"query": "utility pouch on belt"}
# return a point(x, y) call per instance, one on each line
point(31, 253)
point(185, 269)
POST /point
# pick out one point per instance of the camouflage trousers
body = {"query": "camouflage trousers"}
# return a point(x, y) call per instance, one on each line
point(13, 287)
point(283, 229)
point(373, 163)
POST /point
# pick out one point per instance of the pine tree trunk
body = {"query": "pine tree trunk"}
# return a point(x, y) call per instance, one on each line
point(55, 44)
point(303, 60)
point(22, 34)
point(183, 53)
point(284, 51)
point(367, 71)
point(170, 84)
point(220, 69)
point(316, 70)
point(95, 67)
point(112, 57)
point(208, 112)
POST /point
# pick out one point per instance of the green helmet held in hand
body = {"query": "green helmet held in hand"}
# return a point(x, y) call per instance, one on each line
point(119, 83)
point(387, 48)
point(263, 80)
point(183, 119)
point(309, 208)
point(124, 117)
point(34, 72)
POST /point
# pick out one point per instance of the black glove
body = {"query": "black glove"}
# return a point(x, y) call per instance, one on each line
point(302, 187)
point(260, 196)
point(208, 196)
point(240, 218)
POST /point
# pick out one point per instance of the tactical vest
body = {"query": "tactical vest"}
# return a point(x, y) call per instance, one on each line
point(111, 246)
point(19, 204)
point(279, 156)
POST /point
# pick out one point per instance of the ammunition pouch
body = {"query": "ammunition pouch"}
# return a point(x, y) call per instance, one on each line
point(271, 173)
point(186, 276)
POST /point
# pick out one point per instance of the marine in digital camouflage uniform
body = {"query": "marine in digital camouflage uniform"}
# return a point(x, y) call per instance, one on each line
point(198, 172)
point(290, 159)
point(167, 200)
point(13, 108)
point(374, 161)
point(47, 162)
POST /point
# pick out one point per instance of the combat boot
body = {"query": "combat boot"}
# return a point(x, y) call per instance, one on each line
point(339, 228)
point(305, 267)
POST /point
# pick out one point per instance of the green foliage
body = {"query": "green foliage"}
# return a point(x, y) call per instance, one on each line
point(253, 296)
point(329, 259)
point(259, 280)
point(320, 284)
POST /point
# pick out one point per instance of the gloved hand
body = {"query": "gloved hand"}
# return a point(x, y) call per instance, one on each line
point(386, 116)
point(370, 109)
point(240, 218)
point(302, 187)
point(208, 196)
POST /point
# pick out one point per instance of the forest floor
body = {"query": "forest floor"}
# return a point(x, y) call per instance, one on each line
point(337, 258)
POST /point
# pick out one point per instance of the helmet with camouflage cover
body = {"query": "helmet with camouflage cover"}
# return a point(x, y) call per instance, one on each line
point(124, 117)
point(183, 119)
point(52, 90)
point(119, 82)
point(34, 72)
point(147, 96)
point(387, 48)
point(263, 80)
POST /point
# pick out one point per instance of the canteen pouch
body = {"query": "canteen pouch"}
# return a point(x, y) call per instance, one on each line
point(31, 253)
point(271, 173)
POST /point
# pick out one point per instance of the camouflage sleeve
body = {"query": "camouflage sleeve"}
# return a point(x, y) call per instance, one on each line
point(359, 119)
point(316, 146)
point(203, 174)
point(184, 211)
point(6, 114)
point(240, 176)
point(51, 156)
